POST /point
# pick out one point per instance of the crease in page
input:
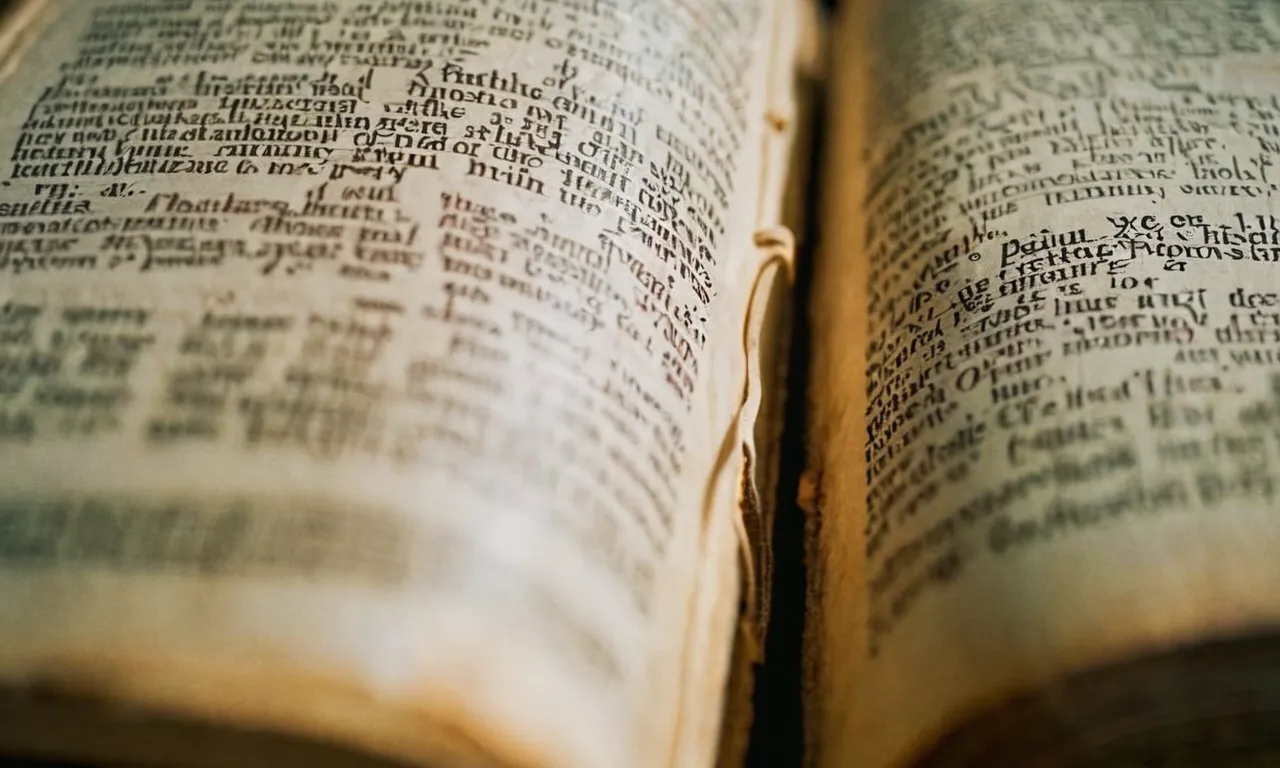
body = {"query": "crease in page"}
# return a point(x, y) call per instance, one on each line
point(776, 247)
point(796, 46)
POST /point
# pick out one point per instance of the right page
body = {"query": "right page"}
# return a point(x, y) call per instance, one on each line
point(1046, 394)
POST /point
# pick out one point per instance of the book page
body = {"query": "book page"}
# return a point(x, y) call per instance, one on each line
point(367, 367)
point(1046, 329)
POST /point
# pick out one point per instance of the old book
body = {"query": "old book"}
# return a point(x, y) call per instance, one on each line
point(382, 380)
point(1045, 387)
point(399, 383)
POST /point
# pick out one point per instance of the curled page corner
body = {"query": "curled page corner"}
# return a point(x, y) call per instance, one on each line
point(748, 449)
point(765, 337)
point(753, 441)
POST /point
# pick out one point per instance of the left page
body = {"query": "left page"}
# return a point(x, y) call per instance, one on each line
point(366, 372)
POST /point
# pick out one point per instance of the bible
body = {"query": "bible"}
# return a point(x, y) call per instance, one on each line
point(414, 383)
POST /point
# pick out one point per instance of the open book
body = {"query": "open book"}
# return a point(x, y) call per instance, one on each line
point(400, 382)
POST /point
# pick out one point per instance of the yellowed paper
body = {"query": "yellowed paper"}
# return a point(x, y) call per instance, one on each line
point(1045, 328)
point(367, 368)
